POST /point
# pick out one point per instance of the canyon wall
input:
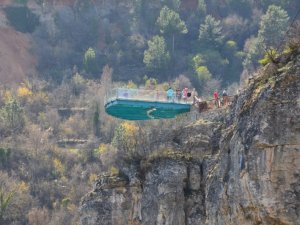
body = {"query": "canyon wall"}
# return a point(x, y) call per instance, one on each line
point(239, 165)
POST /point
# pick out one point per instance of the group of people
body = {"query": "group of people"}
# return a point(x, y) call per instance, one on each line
point(221, 101)
point(218, 101)
point(184, 94)
point(178, 94)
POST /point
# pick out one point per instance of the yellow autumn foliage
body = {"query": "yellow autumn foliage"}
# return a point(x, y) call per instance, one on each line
point(23, 187)
point(114, 171)
point(102, 149)
point(41, 97)
point(130, 129)
point(23, 92)
point(7, 96)
point(92, 177)
point(58, 166)
point(126, 136)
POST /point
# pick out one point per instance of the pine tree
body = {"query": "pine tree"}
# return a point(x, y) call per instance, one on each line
point(170, 24)
point(210, 33)
point(273, 26)
point(12, 116)
point(89, 61)
point(156, 57)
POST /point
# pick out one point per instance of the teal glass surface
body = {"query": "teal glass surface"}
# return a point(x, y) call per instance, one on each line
point(143, 110)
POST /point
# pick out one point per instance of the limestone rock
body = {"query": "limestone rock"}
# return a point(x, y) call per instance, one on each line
point(239, 167)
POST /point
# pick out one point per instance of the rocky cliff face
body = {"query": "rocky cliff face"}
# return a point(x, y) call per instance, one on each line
point(239, 168)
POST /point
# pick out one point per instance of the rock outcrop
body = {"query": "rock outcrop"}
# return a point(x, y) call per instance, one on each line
point(239, 168)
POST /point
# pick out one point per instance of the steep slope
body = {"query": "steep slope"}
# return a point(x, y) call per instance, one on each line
point(16, 61)
point(16, 58)
point(260, 153)
point(239, 167)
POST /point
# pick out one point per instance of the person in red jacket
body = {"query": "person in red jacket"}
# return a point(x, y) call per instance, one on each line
point(216, 97)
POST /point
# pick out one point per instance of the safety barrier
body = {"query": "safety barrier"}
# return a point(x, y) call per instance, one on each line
point(145, 95)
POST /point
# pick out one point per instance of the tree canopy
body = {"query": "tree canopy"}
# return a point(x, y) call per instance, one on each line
point(273, 26)
point(169, 22)
point(210, 33)
point(156, 57)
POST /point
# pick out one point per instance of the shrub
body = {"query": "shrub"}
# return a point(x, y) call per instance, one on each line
point(65, 202)
point(12, 118)
point(203, 74)
point(269, 56)
point(23, 92)
point(4, 156)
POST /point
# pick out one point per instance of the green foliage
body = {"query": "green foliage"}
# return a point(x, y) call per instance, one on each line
point(78, 83)
point(5, 199)
point(113, 171)
point(210, 63)
point(203, 74)
point(273, 26)
point(269, 56)
point(198, 60)
point(210, 33)
point(202, 7)
point(156, 57)
point(169, 22)
point(96, 122)
point(126, 138)
point(65, 202)
point(4, 156)
point(215, 62)
point(118, 38)
point(12, 116)
point(89, 61)
point(22, 19)
point(230, 44)
point(60, 42)
point(254, 52)
point(150, 83)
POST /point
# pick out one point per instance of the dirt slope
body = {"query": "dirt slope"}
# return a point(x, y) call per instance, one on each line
point(16, 61)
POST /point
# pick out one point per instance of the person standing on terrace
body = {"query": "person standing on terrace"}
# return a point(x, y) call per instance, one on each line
point(170, 94)
point(185, 94)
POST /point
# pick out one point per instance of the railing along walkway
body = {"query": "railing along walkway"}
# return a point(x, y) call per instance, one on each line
point(144, 95)
point(161, 96)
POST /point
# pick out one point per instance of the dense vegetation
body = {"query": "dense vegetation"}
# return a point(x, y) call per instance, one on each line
point(55, 140)
point(55, 136)
point(203, 40)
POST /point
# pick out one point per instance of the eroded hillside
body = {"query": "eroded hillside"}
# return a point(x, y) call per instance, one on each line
point(16, 58)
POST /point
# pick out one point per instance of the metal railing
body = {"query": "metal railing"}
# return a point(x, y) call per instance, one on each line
point(145, 95)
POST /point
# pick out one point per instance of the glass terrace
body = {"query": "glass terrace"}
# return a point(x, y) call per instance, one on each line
point(139, 104)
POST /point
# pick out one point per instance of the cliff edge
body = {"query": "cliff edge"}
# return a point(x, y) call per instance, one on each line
point(238, 167)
